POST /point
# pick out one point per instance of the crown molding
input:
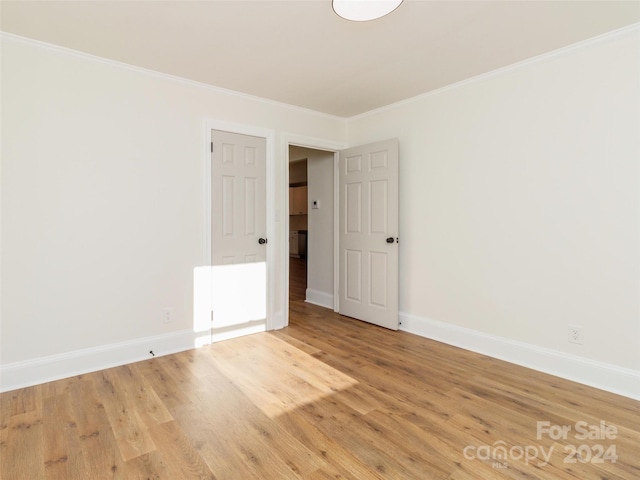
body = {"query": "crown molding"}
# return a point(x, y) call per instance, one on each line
point(544, 57)
point(64, 51)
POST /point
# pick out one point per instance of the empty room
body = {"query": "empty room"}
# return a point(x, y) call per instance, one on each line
point(316, 239)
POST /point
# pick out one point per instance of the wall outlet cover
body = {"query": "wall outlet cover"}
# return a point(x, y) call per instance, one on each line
point(575, 334)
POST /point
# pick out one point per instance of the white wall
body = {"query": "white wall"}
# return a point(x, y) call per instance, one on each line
point(520, 204)
point(103, 200)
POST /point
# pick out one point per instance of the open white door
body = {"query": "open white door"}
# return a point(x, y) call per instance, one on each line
point(368, 233)
point(238, 234)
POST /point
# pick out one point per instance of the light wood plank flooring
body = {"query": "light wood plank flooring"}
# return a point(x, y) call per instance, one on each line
point(325, 398)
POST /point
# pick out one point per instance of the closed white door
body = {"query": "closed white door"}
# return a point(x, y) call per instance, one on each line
point(368, 236)
point(238, 229)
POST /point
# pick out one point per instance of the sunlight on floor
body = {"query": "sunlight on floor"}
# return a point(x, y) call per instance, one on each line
point(279, 390)
point(254, 363)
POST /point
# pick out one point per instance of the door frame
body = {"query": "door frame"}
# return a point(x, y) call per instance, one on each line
point(289, 140)
point(269, 136)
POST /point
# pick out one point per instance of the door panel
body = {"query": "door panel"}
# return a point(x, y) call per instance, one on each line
point(238, 185)
point(353, 275)
point(368, 264)
point(354, 208)
point(228, 209)
point(238, 197)
point(378, 266)
point(378, 211)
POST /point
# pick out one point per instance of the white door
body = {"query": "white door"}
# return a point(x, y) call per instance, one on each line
point(238, 230)
point(368, 233)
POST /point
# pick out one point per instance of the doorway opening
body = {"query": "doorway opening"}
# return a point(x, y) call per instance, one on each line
point(360, 231)
point(311, 226)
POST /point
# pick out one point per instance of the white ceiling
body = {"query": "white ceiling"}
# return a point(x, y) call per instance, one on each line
point(299, 52)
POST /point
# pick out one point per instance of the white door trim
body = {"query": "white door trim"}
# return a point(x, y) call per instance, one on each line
point(269, 136)
point(289, 139)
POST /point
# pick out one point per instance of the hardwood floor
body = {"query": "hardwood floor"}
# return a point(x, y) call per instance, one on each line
point(325, 398)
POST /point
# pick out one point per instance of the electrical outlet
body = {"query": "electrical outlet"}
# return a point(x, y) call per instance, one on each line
point(167, 315)
point(575, 334)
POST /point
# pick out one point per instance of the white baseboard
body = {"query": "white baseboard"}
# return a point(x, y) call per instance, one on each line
point(64, 365)
point(55, 367)
point(319, 298)
point(622, 381)
point(601, 375)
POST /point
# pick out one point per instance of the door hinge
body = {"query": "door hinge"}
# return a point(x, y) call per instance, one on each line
point(211, 147)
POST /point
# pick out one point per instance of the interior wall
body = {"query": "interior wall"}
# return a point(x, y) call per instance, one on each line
point(520, 206)
point(103, 197)
point(320, 260)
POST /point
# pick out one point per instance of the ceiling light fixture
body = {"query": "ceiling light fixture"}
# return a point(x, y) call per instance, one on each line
point(363, 10)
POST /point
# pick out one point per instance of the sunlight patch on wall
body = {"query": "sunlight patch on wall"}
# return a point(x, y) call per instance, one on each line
point(239, 293)
point(237, 296)
point(202, 305)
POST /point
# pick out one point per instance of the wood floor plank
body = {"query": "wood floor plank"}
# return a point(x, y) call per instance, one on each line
point(275, 389)
point(60, 387)
point(22, 452)
point(98, 444)
point(62, 453)
point(509, 405)
point(162, 383)
point(24, 400)
point(300, 345)
point(367, 448)
point(264, 388)
point(218, 451)
point(413, 443)
point(338, 459)
point(230, 444)
point(142, 397)
point(267, 434)
point(180, 372)
point(128, 427)
point(548, 402)
point(175, 456)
